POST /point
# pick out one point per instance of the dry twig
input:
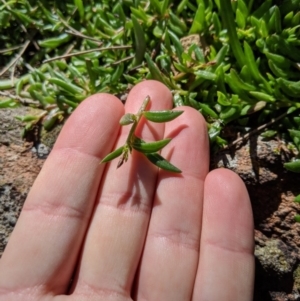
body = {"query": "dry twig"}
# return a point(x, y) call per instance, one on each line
point(85, 52)
point(16, 59)
point(24, 101)
point(258, 129)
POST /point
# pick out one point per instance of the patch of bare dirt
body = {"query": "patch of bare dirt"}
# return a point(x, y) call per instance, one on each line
point(20, 163)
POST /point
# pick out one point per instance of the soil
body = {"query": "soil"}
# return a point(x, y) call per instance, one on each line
point(258, 162)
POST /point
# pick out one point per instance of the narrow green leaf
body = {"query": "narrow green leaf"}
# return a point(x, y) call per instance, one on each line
point(182, 68)
point(161, 116)
point(175, 29)
point(295, 85)
point(205, 75)
point(220, 83)
point(291, 110)
point(294, 133)
point(73, 89)
point(177, 44)
point(140, 43)
point(253, 68)
point(239, 82)
point(296, 19)
point(177, 22)
point(269, 134)
point(287, 20)
point(277, 71)
point(156, 4)
point(181, 6)
point(229, 113)
point(162, 163)
point(154, 71)
point(293, 166)
point(7, 103)
point(21, 82)
point(262, 96)
point(167, 43)
point(222, 99)
point(149, 147)
point(286, 48)
point(101, 23)
point(279, 60)
point(288, 88)
point(218, 4)
point(228, 20)
point(49, 122)
point(251, 62)
point(27, 118)
point(206, 110)
point(277, 14)
point(38, 96)
point(55, 42)
point(92, 74)
point(119, 10)
point(240, 19)
point(115, 78)
point(199, 22)
point(113, 155)
point(23, 17)
point(80, 7)
point(70, 103)
point(245, 74)
point(247, 110)
point(164, 6)
point(140, 14)
point(243, 8)
point(263, 8)
point(217, 23)
point(6, 84)
point(297, 199)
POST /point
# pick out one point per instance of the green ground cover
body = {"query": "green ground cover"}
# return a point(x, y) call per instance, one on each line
point(237, 62)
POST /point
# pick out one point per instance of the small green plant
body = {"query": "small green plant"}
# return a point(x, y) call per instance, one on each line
point(294, 166)
point(149, 149)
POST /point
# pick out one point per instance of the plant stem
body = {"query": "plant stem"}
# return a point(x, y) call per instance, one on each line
point(130, 139)
point(138, 116)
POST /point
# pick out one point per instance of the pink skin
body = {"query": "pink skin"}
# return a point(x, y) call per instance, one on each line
point(133, 233)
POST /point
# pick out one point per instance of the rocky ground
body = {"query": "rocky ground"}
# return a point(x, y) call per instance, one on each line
point(259, 163)
point(272, 190)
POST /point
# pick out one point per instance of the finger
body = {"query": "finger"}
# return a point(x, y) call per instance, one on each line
point(43, 249)
point(117, 231)
point(169, 262)
point(226, 267)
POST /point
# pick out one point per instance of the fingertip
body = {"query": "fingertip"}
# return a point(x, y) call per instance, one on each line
point(98, 99)
point(97, 116)
point(227, 209)
point(228, 184)
point(96, 105)
point(160, 95)
point(221, 176)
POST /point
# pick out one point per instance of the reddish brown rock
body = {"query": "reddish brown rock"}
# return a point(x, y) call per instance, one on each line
point(272, 191)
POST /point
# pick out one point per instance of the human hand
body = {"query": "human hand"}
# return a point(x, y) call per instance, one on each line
point(89, 231)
